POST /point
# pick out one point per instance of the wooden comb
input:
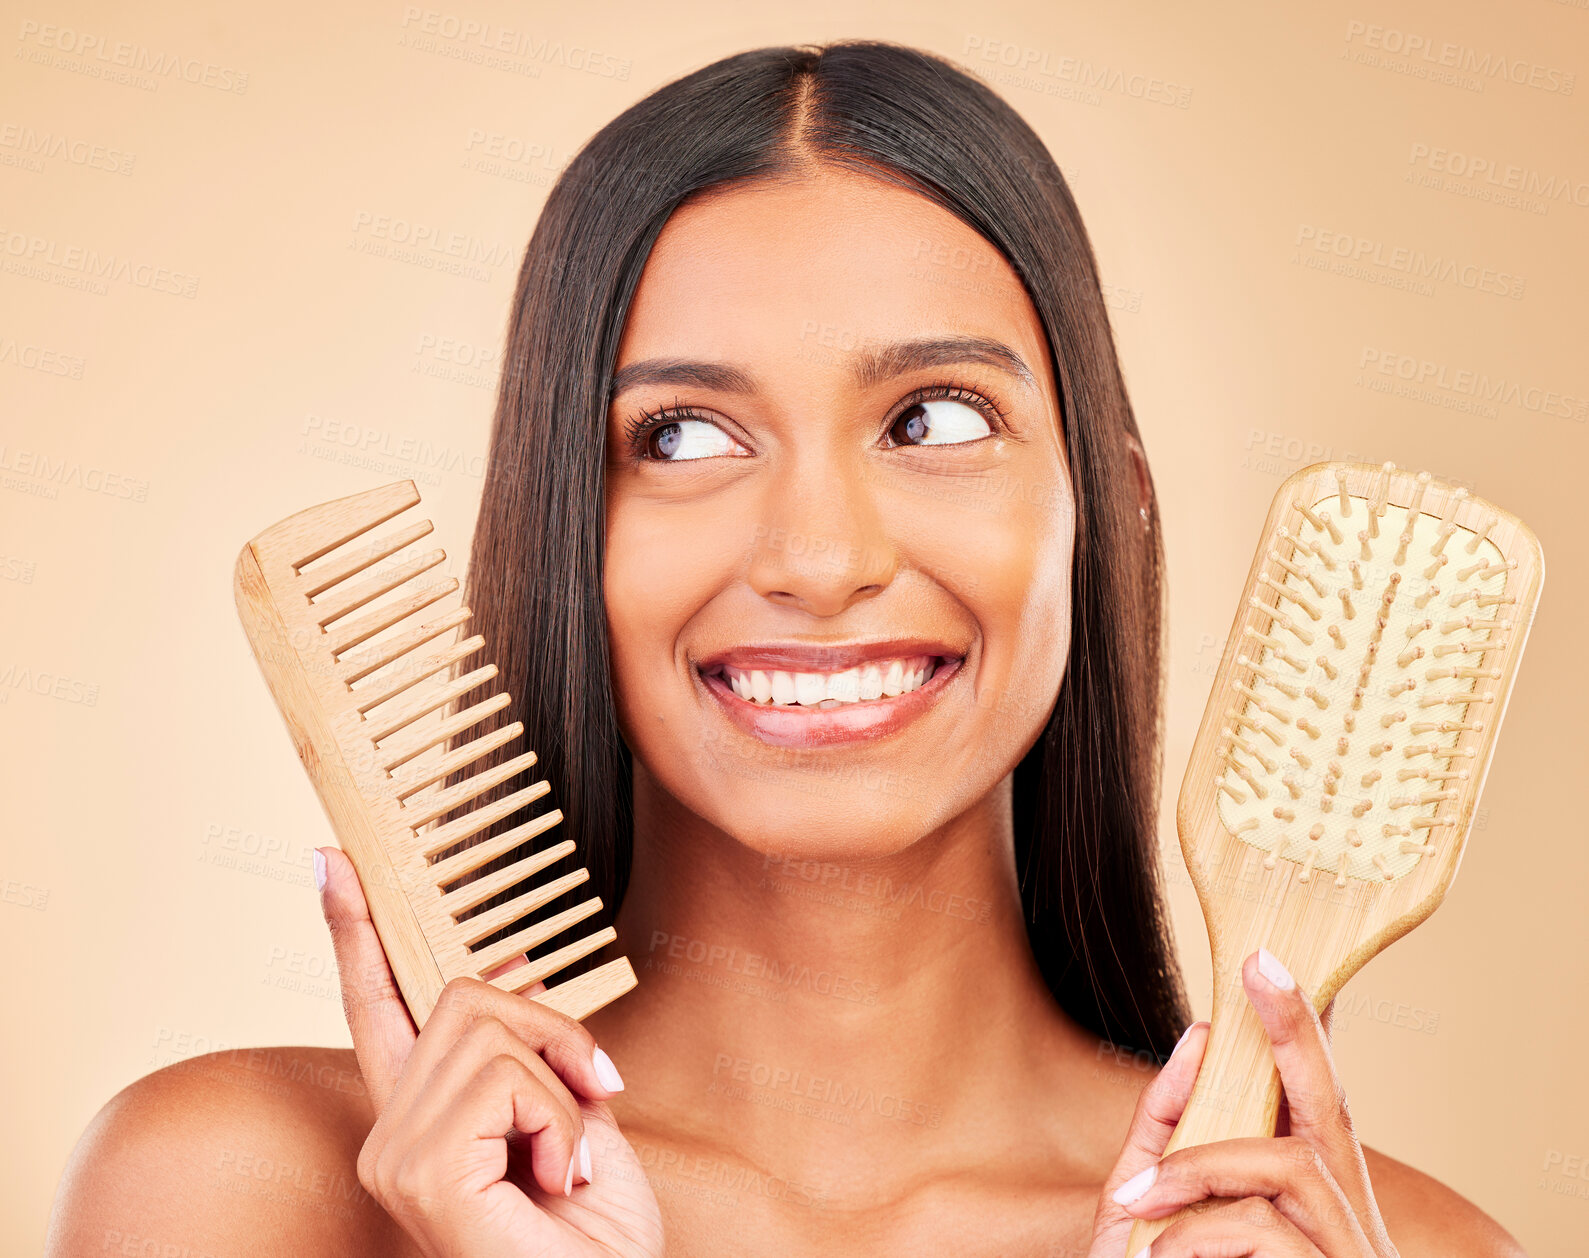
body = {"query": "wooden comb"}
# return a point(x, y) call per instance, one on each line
point(364, 689)
point(1333, 781)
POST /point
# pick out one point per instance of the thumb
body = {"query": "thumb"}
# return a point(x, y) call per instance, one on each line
point(1159, 1109)
point(383, 1033)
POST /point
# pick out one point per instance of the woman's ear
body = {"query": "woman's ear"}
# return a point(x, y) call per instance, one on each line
point(1139, 464)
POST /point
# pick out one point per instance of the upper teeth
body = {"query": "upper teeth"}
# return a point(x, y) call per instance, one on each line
point(869, 681)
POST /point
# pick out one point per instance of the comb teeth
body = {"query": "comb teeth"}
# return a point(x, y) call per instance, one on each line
point(1368, 670)
point(365, 682)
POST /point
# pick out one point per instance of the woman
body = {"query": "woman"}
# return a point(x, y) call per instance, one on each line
point(851, 697)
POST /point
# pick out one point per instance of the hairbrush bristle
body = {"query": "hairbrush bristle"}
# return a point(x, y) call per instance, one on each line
point(1367, 668)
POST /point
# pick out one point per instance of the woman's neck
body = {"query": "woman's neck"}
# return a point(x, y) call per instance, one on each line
point(807, 1011)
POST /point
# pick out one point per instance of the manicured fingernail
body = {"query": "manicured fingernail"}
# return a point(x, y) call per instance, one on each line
point(319, 870)
point(1269, 966)
point(1143, 1252)
point(1136, 1186)
point(1182, 1040)
point(568, 1184)
point(607, 1072)
point(584, 1158)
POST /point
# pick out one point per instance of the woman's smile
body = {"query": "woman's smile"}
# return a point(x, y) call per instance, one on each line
point(819, 695)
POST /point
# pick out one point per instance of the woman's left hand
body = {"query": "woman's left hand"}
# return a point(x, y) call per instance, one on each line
point(1302, 1193)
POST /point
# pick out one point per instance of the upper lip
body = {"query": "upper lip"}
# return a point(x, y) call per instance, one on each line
point(823, 657)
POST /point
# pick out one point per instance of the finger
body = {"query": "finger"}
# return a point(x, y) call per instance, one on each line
point(1290, 1173)
point(507, 967)
point(1249, 1228)
point(1327, 1021)
point(604, 1142)
point(505, 1095)
point(1315, 1101)
point(1307, 1072)
point(1159, 1109)
point(383, 1033)
point(421, 1101)
point(566, 1046)
point(511, 964)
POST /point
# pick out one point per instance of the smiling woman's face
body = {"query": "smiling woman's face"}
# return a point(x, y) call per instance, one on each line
point(837, 571)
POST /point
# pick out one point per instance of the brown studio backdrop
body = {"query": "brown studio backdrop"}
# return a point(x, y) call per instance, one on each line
point(1266, 189)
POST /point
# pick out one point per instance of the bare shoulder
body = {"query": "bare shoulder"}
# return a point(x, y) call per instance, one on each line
point(1426, 1219)
point(249, 1151)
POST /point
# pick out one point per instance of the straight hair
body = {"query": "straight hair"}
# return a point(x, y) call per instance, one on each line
point(1085, 794)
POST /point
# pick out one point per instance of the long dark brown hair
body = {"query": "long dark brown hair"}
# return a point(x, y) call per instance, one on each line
point(1085, 794)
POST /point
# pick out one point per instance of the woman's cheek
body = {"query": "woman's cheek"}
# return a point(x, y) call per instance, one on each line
point(636, 576)
point(1021, 599)
point(662, 568)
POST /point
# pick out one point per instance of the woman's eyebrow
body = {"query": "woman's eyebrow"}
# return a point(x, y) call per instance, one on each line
point(902, 357)
point(870, 366)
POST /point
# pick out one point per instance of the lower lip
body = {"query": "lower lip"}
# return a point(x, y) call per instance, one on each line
point(789, 725)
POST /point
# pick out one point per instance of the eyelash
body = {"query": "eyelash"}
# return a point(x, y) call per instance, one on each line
point(638, 428)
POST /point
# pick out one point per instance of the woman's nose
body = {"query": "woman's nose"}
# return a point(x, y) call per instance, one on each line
point(820, 544)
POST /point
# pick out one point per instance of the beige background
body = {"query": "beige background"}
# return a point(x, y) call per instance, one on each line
point(155, 894)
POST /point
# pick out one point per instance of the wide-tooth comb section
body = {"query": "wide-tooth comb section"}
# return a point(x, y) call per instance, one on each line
point(405, 784)
point(469, 894)
point(533, 937)
point(450, 868)
point(422, 740)
point(447, 836)
point(346, 637)
point(322, 578)
point(394, 683)
point(586, 988)
point(428, 699)
point(362, 663)
point(483, 924)
point(444, 801)
point(318, 531)
point(364, 658)
point(339, 603)
point(1345, 752)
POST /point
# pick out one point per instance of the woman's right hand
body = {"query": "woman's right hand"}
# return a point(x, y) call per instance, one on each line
point(487, 1118)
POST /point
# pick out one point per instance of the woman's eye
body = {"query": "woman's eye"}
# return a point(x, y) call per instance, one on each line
point(682, 439)
point(940, 422)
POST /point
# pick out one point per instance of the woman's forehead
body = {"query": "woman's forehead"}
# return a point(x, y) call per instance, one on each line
point(835, 260)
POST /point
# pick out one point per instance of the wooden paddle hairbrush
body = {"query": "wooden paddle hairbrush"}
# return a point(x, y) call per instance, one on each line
point(1333, 781)
point(364, 691)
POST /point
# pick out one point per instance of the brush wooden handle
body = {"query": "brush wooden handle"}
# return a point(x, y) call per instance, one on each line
point(1237, 1093)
